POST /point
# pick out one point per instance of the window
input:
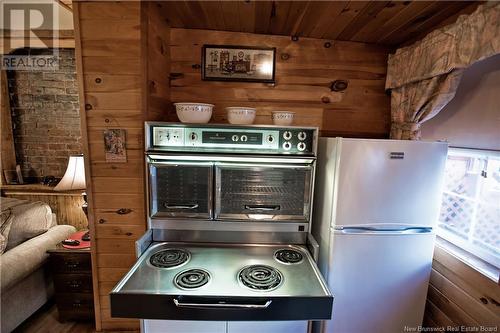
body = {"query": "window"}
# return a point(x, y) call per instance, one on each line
point(470, 210)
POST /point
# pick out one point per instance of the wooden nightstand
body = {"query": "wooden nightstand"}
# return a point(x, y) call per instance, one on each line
point(72, 273)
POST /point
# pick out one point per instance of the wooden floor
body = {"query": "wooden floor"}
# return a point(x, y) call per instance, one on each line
point(45, 320)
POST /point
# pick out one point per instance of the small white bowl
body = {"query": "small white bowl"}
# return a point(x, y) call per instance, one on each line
point(283, 118)
point(241, 115)
point(194, 113)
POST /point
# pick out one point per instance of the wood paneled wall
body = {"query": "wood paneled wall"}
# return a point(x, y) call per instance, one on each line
point(304, 72)
point(459, 295)
point(123, 68)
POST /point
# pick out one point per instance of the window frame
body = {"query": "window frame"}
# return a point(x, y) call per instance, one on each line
point(453, 240)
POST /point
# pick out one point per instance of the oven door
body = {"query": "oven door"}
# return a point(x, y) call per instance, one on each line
point(263, 191)
point(180, 189)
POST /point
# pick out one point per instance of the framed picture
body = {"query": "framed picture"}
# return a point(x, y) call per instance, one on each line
point(115, 145)
point(238, 63)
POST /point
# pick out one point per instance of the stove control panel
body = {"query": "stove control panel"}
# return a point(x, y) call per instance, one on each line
point(230, 138)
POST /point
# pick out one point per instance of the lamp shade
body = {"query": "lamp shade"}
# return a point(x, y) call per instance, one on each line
point(74, 177)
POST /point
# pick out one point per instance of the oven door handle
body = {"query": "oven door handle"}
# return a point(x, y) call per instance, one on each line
point(262, 164)
point(180, 304)
point(194, 206)
point(262, 207)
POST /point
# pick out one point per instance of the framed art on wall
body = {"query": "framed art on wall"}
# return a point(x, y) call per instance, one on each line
point(238, 63)
point(115, 145)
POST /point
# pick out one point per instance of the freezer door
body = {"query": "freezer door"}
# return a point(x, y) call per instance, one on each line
point(379, 280)
point(388, 181)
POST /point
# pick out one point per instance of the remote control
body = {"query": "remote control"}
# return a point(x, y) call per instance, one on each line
point(71, 242)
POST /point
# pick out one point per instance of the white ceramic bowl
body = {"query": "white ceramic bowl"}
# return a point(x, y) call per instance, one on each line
point(241, 115)
point(194, 113)
point(283, 118)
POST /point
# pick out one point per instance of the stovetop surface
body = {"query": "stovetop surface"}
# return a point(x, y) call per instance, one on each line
point(252, 270)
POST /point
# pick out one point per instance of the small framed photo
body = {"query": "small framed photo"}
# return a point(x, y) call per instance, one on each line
point(238, 63)
point(115, 145)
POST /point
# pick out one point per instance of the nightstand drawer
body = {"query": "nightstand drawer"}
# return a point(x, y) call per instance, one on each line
point(75, 306)
point(70, 262)
point(75, 302)
point(85, 315)
point(79, 283)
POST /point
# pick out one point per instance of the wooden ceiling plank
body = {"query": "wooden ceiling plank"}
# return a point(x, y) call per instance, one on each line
point(364, 18)
point(368, 33)
point(263, 11)
point(469, 9)
point(179, 15)
point(295, 17)
point(110, 11)
point(300, 19)
point(277, 26)
point(171, 14)
point(426, 24)
point(311, 17)
point(214, 14)
point(317, 17)
point(426, 11)
point(347, 14)
point(231, 15)
point(415, 8)
point(197, 14)
point(246, 12)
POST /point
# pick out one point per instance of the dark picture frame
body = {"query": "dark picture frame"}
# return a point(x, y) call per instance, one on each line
point(238, 63)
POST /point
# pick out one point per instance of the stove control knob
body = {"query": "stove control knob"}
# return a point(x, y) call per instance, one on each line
point(287, 145)
point(287, 135)
point(302, 136)
point(193, 136)
point(244, 138)
point(270, 138)
point(235, 138)
point(301, 146)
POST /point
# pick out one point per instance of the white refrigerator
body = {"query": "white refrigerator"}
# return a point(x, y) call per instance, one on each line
point(376, 203)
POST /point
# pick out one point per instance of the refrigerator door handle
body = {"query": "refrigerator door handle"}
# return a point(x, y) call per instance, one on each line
point(368, 230)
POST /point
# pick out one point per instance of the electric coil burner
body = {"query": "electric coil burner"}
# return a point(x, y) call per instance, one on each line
point(288, 256)
point(192, 278)
point(169, 258)
point(260, 277)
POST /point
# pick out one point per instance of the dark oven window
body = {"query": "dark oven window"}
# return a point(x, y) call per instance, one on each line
point(181, 190)
point(267, 193)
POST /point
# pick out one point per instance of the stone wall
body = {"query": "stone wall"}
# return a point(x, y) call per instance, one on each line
point(45, 117)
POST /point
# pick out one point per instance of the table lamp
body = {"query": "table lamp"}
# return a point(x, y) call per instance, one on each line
point(74, 179)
